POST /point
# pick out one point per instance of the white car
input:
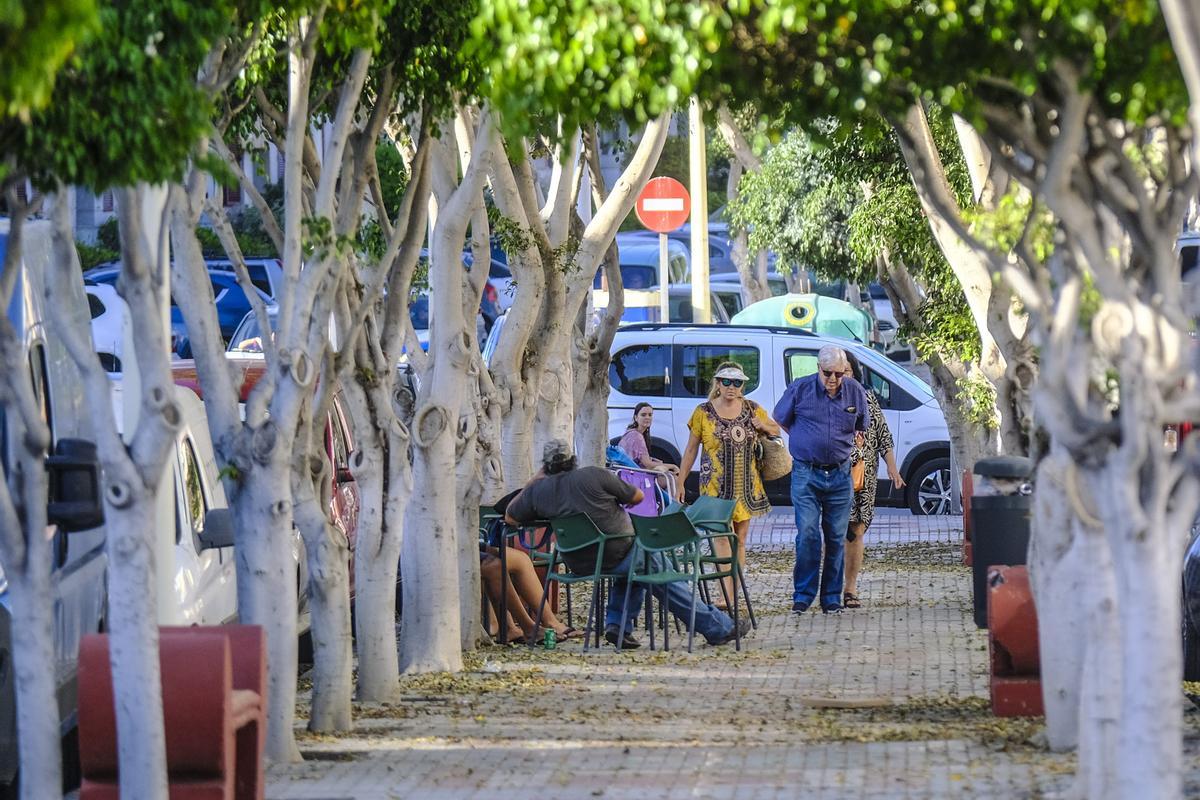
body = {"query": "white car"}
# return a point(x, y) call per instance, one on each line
point(109, 314)
point(889, 328)
point(671, 367)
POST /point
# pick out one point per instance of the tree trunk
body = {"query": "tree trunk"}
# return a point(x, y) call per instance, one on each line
point(133, 640)
point(267, 589)
point(30, 593)
point(328, 556)
point(1060, 576)
point(380, 466)
point(430, 636)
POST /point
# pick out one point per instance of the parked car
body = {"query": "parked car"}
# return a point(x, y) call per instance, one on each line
point(720, 246)
point(733, 295)
point(109, 313)
point(643, 306)
point(498, 293)
point(231, 302)
point(671, 367)
point(265, 273)
point(639, 262)
point(889, 328)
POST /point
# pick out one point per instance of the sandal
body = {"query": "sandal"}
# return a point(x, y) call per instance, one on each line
point(850, 600)
point(569, 634)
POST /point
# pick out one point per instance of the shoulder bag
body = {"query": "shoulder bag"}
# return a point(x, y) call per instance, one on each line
point(774, 460)
point(858, 474)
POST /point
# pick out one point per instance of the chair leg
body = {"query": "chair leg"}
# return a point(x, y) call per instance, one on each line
point(662, 618)
point(587, 630)
point(537, 623)
point(737, 628)
point(624, 615)
point(746, 593)
point(692, 622)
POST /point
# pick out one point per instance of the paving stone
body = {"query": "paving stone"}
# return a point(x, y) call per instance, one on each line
point(767, 722)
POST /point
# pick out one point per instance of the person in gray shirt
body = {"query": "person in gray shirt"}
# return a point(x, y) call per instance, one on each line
point(561, 489)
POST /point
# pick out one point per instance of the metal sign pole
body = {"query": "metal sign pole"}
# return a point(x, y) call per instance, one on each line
point(664, 290)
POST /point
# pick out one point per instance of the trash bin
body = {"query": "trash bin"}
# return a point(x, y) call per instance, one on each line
point(1000, 512)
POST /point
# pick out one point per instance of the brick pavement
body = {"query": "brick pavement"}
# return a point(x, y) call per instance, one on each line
point(769, 722)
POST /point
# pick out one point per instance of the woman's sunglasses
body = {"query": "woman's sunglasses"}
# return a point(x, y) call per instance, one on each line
point(734, 382)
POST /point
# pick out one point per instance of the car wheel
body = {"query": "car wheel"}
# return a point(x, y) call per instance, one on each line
point(929, 487)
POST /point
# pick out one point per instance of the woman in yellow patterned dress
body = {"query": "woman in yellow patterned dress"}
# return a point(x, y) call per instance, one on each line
point(724, 431)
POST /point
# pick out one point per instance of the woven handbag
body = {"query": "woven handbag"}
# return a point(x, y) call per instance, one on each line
point(774, 460)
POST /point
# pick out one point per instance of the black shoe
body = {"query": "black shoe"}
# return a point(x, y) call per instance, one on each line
point(833, 609)
point(743, 627)
point(799, 608)
point(628, 643)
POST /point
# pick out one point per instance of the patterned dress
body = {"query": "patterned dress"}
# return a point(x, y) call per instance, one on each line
point(877, 441)
point(728, 468)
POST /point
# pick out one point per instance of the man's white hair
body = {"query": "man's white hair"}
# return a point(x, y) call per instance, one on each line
point(832, 356)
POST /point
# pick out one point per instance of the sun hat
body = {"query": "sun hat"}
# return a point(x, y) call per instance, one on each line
point(731, 372)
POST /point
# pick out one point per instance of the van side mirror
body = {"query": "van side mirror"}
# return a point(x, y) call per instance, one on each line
point(73, 474)
point(218, 529)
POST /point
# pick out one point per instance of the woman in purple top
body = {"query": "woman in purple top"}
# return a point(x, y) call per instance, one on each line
point(636, 442)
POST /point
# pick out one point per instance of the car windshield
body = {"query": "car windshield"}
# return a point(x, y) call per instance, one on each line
point(248, 337)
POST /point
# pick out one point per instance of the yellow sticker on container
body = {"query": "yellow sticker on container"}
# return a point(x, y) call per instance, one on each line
point(799, 314)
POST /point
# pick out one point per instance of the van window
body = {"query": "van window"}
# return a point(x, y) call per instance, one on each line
point(890, 394)
point(799, 363)
point(641, 370)
point(701, 361)
point(193, 493)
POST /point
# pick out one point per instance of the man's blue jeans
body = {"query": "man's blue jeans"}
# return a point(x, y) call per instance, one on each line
point(711, 623)
point(822, 500)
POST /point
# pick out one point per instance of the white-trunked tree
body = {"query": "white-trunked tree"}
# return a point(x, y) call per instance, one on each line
point(431, 631)
point(99, 133)
point(40, 41)
point(260, 450)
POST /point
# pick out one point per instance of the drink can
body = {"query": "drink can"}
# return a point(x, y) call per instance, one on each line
point(550, 639)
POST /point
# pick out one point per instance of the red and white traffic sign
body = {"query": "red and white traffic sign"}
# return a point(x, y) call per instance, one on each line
point(663, 205)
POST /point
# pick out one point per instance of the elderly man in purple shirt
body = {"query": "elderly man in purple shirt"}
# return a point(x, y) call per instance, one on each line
point(823, 414)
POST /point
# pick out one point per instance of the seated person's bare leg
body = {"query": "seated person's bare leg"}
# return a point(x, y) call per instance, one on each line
point(524, 590)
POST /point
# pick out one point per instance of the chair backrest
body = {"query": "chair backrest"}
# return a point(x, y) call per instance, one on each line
point(667, 532)
point(197, 683)
point(575, 532)
point(648, 507)
point(711, 513)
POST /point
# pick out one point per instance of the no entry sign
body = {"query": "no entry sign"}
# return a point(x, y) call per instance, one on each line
point(663, 205)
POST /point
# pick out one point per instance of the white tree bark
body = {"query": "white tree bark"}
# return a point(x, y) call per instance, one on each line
point(1183, 22)
point(132, 479)
point(25, 549)
point(430, 638)
point(328, 557)
point(752, 267)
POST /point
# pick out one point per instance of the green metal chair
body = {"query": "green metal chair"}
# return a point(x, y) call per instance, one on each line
point(675, 538)
point(713, 517)
point(572, 534)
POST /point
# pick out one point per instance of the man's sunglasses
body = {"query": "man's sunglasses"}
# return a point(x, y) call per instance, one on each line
point(829, 373)
point(734, 382)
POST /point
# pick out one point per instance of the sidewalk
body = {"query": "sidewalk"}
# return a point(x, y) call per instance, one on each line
point(885, 702)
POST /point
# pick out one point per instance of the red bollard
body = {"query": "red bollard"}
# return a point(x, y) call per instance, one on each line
point(1016, 685)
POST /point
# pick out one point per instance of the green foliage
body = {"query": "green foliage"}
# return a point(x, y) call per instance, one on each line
point(807, 59)
point(393, 175)
point(127, 108)
point(798, 208)
point(108, 235)
point(977, 401)
point(36, 39)
point(92, 255)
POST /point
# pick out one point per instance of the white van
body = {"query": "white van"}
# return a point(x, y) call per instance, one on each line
point(671, 367)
